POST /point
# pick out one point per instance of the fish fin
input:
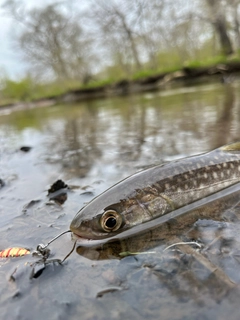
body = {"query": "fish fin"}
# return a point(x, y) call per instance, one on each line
point(231, 147)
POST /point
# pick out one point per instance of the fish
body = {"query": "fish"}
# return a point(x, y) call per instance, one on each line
point(156, 191)
point(223, 209)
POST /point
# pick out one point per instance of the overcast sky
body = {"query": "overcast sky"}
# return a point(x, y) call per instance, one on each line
point(11, 62)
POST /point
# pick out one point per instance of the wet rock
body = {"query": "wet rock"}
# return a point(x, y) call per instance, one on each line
point(107, 290)
point(58, 185)
point(85, 187)
point(87, 193)
point(56, 192)
point(30, 205)
point(16, 294)
point(60, 198)
point(41, 265)
point(25, 148)
point(37, 270)
point(2, 183)
point(73, 187)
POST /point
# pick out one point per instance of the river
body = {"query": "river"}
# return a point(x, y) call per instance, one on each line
point(90, 146)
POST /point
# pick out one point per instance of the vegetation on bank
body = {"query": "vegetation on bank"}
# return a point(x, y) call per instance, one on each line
point(93, 43)
point(28, 89)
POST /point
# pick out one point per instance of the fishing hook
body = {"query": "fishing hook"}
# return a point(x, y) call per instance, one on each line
point(42, 248)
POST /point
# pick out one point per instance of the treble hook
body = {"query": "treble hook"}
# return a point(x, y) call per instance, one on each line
point(44, 252)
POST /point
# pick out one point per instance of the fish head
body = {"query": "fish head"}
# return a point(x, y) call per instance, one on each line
point(92, 223)
point(107, 215)
point(113, 211)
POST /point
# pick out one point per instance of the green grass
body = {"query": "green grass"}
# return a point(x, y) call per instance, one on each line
point(207, 62)
point(97, 83)
point(144, 74)
point(27, 89)
point(148, 73)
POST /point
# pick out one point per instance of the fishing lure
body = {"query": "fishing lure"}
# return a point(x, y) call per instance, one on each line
point(14, 252)
point(41, 250)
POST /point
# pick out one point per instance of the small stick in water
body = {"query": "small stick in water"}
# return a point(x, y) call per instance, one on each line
point(180, 243)
point(129, 253)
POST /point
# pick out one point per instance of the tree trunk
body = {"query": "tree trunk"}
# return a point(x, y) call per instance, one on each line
point(237, 31)
point(220, 27)
point(219, 23)
point(134, 49)
point(130, 37)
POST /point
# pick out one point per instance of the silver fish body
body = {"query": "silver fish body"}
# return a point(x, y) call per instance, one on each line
point(156, 191)
point(224, 210)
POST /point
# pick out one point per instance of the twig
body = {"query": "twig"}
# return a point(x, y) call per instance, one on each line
point(185, 243)
point(219, 273)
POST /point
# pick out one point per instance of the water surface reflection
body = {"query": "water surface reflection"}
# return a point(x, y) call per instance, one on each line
point(92, 145)
point(146, 129)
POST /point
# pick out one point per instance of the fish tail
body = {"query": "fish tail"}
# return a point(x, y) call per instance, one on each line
point(231, 147)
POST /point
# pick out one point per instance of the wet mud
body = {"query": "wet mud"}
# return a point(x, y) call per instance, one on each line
point(186, 267)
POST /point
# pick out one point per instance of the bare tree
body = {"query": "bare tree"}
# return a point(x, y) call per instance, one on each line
point(151, 29)
point(232, 9)
point(214, 12)
point(137, 33)
point(219, 23)
point(117, 21)
point(123, 36)
point(54, 42)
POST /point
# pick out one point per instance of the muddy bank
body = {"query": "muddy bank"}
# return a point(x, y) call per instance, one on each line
point(184, 76)
point(155, 82)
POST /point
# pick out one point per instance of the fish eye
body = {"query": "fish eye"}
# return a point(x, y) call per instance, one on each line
point(111, 220)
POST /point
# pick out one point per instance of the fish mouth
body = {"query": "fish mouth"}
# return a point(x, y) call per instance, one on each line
point(76, 236)
point(88, 236)
point(86, 242)
point(80, 236)
point(83, 232)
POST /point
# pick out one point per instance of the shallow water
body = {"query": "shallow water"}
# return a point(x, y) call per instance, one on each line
point(90, 146)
